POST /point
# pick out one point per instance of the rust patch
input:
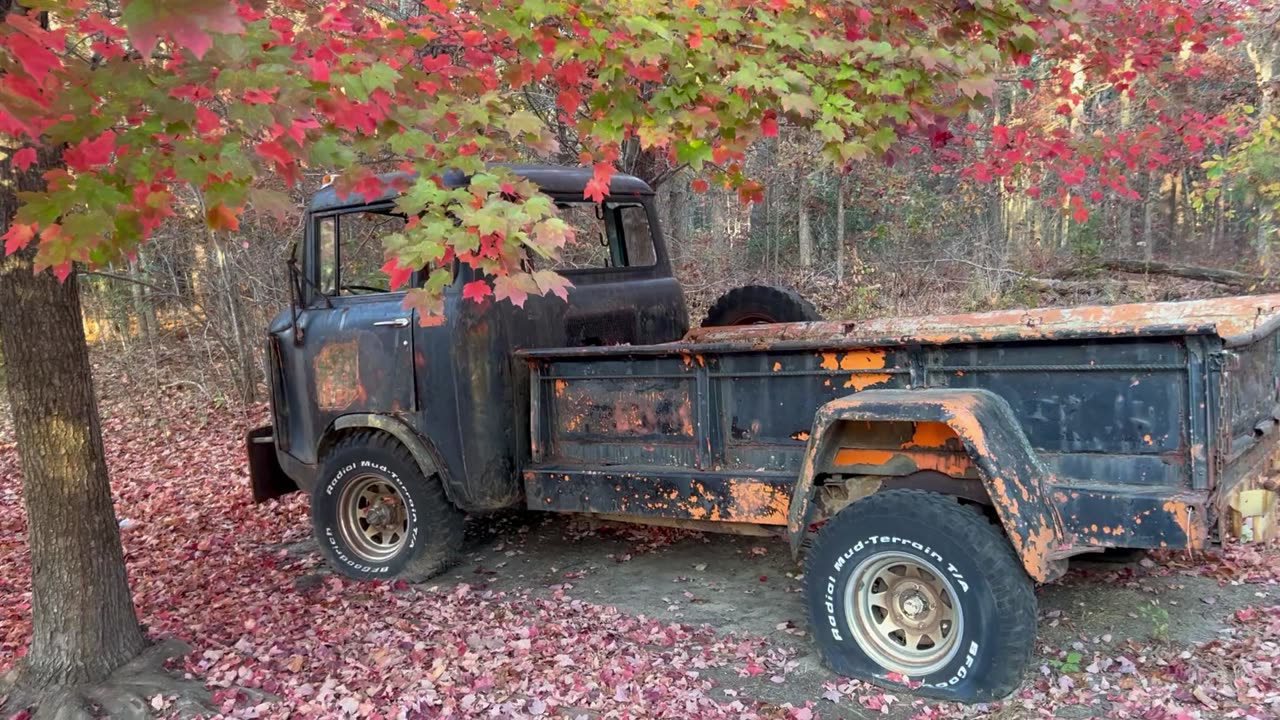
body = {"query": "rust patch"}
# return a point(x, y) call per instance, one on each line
point(623, 408)
point(802, 435)
point(337, 372)
point(757, 502)
point(777, 366)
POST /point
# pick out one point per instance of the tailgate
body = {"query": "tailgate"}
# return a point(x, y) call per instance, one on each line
point(1247, 457)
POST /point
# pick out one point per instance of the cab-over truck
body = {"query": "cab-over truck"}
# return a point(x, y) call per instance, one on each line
point(930, 470)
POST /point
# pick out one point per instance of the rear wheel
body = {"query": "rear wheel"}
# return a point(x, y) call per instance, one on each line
point(375, 514)
point(909, 586)
point(757, 304)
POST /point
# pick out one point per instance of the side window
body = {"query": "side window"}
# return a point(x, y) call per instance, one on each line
point(590, 246)
point(634, 222)
point(351, 253)
point(612, 235)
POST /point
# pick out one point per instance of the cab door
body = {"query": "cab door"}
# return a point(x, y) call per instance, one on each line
point(356, 346)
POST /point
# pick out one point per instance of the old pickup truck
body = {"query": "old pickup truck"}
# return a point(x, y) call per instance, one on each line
point(930, 470)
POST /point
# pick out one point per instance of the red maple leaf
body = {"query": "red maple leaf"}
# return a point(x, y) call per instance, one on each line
point(596, 189)
point(274, 151)
point(206, 120)
point(769, 125)
point(476, 290)
point(34, 57)
point(399, 275)
point(569, 99)
point(18, 237)
point(62, 270)
point(90, 153)
point(24, 158)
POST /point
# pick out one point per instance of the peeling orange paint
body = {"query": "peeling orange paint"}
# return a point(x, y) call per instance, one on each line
point(860, 381)
point(560, 386)
point(955, 464)
point(931, 435)
point(777, 366)
point(803, 435)
point(862, 456)
point(862, 360)
point(829, 362)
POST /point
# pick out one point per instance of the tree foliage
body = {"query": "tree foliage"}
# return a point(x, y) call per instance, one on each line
point(214, 95)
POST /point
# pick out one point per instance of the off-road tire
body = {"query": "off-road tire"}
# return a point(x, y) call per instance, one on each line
point(753, 304)
point(435, 525)
point(996, 598)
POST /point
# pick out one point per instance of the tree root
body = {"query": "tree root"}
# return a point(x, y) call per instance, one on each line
point(127, 694)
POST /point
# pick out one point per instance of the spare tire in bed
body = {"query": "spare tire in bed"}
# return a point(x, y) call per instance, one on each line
point(756, 304)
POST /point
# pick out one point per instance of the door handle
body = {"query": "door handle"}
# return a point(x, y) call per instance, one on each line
point(398, 322)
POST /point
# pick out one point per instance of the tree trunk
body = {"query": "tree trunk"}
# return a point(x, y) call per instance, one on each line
point(82, 617)
point(805, 232)
point(840, 250)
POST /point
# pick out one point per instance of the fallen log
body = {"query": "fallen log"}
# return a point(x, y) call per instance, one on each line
point(1155, 267)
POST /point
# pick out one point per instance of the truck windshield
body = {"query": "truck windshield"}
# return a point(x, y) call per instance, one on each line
point(351, 252)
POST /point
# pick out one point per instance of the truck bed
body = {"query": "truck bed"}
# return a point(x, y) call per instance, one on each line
point(1138, 411)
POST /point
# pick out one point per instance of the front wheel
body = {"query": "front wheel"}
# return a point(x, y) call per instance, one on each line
point(908, 586)
point(376, 515)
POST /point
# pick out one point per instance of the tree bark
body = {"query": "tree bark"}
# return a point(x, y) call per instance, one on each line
point(82, 616)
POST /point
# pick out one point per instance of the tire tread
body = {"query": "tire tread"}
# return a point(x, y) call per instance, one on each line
point(766, 295)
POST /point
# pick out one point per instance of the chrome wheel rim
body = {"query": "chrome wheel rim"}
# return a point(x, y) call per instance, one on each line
point(372, 518)
point(904, 613)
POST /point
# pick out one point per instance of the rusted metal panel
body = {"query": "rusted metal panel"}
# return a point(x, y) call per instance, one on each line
point(1134, 518)
point(717, 497)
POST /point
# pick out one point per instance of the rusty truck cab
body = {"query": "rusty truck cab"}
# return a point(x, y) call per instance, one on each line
point(349, 355)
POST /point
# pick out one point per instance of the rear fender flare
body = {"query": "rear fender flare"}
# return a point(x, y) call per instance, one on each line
point(1014, 476)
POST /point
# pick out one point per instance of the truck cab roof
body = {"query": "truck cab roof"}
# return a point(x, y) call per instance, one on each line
point(554, 179)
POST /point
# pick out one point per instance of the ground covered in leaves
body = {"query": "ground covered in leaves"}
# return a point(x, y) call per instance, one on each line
point(550, 618)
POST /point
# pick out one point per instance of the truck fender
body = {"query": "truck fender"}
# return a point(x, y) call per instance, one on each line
point(423, 452)
point(1013, 475)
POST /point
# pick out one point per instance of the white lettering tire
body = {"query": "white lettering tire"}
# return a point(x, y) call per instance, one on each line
point(428, 528)
point(925, 553)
